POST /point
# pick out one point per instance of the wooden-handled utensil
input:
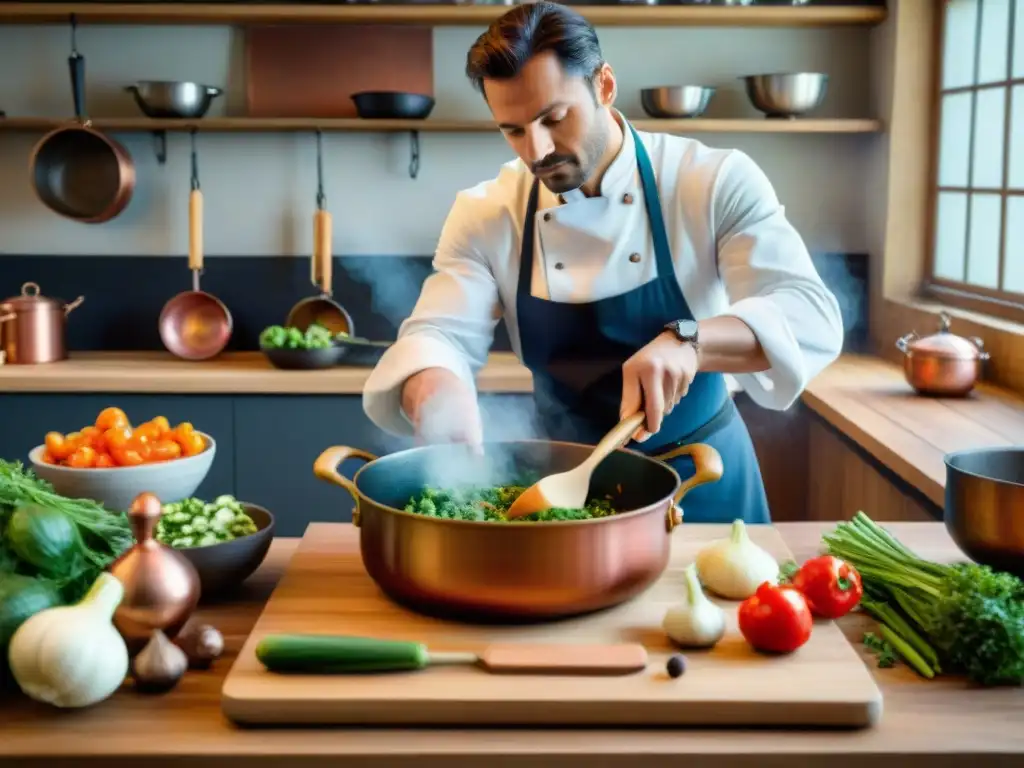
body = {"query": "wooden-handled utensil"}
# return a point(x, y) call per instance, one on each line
point(195, 235)
point(340, 654)
point(322, 251)
point(569, 489)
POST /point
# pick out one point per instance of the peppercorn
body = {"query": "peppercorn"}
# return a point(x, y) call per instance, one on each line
point(676, 665)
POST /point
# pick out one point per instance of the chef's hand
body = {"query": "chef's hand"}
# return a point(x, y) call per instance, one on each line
point(655, 379)
point(442, 408)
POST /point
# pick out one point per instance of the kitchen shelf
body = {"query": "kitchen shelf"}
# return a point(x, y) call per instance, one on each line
point(435, 15)
point(287, 124)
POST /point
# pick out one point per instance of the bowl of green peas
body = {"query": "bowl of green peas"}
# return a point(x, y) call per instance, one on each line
point(224, 538)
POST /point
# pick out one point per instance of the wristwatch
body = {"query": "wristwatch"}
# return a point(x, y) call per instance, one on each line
point(687, 331)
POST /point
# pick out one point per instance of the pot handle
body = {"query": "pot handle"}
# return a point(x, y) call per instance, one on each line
point(708, 469)
point(69, 308)
point(982, 352)
point(903, 342)
point(7, 317)
point(326, 468)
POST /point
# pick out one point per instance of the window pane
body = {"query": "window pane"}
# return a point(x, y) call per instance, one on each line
point(955, 140)
point(995, 40)
point(983, 247)
point(958, 46)
point(1018, 40)
point(1013, 271)
point(989, 117)
point(1016, 178)
point(950, 234)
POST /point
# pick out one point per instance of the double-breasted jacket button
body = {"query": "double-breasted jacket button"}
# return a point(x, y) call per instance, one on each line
point(627, 199)
point(547, 217)
point(634, 257)
point(559, 265)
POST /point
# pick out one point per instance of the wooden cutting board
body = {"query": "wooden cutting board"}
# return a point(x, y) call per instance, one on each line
point(326, 590)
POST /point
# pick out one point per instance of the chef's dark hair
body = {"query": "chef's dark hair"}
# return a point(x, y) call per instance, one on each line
point(528, 29)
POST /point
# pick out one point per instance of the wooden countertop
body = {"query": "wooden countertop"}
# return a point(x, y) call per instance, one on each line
point(934, 723)
point(230, 373)
point(869, 400)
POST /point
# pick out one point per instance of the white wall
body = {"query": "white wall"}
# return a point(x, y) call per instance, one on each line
point(259, 188)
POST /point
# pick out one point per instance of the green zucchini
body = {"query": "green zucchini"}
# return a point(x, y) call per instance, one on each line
point(326, 654)
point(20, 598)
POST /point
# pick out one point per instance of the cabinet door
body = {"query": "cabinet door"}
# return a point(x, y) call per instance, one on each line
point(26, 418)
point(278, 437)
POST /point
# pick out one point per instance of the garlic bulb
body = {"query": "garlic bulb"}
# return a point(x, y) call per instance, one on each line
point(735, 567)
point(202, 645)
point(697, 622)
point(71, 655)
point(160, 665)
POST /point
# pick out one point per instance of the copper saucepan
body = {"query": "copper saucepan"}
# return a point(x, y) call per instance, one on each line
point(195, 325)
point(942, 364)
point(519, 571)
point(321, 309)
point(33, 327)
point(80, 172)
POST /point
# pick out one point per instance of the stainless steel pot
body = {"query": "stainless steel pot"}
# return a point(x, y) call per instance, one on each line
point(522, 570)
point(943, 364)
point(984, 509)
point(33, 328)
point(786, 94)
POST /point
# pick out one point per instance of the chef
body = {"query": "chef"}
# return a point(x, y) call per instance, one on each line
point(634, 271)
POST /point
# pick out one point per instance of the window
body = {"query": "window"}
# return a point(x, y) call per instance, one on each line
point(977, 251)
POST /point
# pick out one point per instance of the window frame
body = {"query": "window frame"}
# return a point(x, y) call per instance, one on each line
point(999, 302)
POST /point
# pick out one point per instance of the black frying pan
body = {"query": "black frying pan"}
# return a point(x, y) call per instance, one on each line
point(392, 105)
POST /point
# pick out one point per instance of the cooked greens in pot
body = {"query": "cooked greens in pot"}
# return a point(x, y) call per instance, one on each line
point(491, 504)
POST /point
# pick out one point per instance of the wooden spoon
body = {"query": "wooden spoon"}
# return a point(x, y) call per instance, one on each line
point(569, 489)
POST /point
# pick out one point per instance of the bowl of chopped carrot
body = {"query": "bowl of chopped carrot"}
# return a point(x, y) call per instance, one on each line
point(112, 461)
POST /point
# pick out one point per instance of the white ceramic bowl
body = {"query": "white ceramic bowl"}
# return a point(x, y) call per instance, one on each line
point(116, 487)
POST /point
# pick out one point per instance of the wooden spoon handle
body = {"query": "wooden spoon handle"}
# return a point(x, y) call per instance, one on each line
point(323, 253)
point(195, 230)
point(617, 437)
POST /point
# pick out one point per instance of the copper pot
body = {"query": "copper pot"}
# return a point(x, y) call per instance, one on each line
point(78, 171)
point(519, 571)
point(943, 364)
point(33, 328)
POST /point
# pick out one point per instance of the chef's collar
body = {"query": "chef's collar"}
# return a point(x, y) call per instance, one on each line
point(620, 175)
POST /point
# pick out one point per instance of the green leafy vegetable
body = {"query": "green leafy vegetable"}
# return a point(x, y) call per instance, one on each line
point(968, 615)
point(490, 505)
point(196, 523)
point(315, 336)
point(33, 541)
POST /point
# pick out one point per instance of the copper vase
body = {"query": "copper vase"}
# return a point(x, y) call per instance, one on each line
point(161, 587)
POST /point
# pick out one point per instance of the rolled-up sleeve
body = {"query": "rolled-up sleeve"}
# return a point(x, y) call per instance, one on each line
point(451, 326)
point(772, 285)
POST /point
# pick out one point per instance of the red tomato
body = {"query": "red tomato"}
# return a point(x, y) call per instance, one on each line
point(776, 619)
point(832, 586)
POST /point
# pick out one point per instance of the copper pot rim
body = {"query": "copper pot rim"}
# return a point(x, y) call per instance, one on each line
point(951, 458)
point(656, 506)
point(125, 165)
point(36, 457)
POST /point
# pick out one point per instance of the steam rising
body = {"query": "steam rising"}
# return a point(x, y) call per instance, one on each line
point(451, 418)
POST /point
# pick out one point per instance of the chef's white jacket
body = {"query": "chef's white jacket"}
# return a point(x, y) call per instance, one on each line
point(735, 253)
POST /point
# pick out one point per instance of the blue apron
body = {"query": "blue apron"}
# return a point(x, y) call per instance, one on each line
point(576, 352)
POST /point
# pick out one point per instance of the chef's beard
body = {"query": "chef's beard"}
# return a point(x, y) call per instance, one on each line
point(575, 172)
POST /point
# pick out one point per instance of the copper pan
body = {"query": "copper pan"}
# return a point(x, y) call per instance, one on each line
point(321, 309)
point(515, 571)
point(77, 171)
point(195, 325)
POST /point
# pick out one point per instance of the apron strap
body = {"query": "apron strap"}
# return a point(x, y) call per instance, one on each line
point(526, 248)
point(652, 201)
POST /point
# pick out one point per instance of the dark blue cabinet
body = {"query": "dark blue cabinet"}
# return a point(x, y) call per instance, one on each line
point(266, 444)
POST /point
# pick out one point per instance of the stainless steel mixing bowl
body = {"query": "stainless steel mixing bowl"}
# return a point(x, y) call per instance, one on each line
point(786, 94)
point(676, 101)
point(984, 510)
point(173, 98)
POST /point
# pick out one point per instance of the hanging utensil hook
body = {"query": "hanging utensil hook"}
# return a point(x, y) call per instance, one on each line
point(195, 160)
point(321, 198)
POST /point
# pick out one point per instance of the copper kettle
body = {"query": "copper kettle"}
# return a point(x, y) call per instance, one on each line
point(943, 364)
point(33, 327)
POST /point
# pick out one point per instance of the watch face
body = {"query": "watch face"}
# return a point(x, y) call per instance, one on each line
point(686, 328)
